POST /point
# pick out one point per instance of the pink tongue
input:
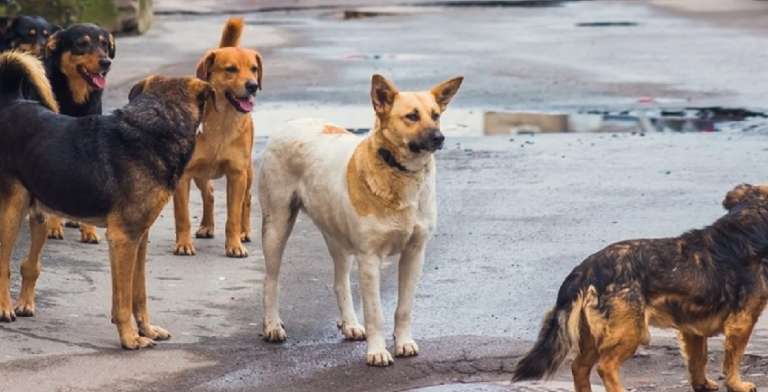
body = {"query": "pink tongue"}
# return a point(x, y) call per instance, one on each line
point(245, 104)
point(98, 80)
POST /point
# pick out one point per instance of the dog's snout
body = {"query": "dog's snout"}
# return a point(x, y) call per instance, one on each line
point(252, 86)
point(105, 63)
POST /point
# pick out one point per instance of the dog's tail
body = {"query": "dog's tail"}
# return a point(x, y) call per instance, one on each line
point(22, 71)
point(559, 331)
point(230, 37)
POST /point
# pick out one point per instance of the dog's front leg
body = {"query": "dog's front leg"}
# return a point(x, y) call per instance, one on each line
point(369, 266)
point(409, 271)
point(184, 245)
point(236, 185)
point(123, 251)
point(140, 312)
point(738, 329)
point(245, 234)
point(30, 268)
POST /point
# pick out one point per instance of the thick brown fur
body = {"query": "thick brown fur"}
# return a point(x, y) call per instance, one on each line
point(225, 146)
point(703, 283)
point(115, 171)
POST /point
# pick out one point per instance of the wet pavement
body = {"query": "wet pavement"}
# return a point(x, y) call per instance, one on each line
point(516, 212)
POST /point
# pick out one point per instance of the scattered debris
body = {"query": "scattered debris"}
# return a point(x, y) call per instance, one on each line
point(607, 24)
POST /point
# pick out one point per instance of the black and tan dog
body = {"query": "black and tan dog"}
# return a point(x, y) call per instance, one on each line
point(116, 171)
point(704, 283)
point(25, 33)
point(77, 61)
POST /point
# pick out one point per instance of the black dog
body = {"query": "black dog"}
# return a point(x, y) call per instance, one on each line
point(117, 171)
point(77, 61)
point(25, 33)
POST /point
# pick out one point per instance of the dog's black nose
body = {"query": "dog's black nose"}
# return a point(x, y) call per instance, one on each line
point(437, 138)
point(252, 86)
point(105, 64)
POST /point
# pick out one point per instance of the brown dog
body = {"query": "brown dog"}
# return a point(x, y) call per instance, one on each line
point(115, 171)
point(225, 145)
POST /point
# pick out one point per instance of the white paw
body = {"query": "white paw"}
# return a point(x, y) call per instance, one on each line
point(274, 331)
point(351, 331)
point(408, 348)
point(379, 358)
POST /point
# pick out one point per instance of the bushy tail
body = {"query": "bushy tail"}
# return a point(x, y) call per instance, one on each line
point(559, 332)
point(230, 37)
point(21, 70)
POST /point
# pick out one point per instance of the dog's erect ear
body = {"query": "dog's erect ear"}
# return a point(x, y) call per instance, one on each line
point(205, 64)
point(383, 94)
point(736, 196)
point(5, 26)
point(260, 64)
point(137, 89)
point(111, 43)
point(52, 44)
point(445, 91)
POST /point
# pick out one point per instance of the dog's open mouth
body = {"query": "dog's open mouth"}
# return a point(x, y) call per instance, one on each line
point(96, 80)
point(242, 104)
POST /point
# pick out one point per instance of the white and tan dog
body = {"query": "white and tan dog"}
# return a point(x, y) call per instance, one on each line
point(370, 197)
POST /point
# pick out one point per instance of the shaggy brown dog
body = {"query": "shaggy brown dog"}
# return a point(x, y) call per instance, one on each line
point(115, 171)
point(704, 283)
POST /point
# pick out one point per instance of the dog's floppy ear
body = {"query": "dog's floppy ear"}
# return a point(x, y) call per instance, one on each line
point(736, 196)
point(260, 64)
point(445, 91)
point(137, 89)
point(205, 64)
point(111, 52)
point(383, 94)
point(204, 91)
point(52, 44)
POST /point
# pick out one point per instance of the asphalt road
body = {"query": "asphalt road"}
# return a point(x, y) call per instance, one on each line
point(516, 213)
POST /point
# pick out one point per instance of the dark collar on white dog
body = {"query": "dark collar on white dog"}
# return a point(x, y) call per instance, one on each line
point(390, 160)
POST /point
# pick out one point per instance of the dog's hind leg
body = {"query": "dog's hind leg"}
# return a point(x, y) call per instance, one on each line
point(409, 270)
point(140, 311)
point(369, 270)
point(30, 268)
point(245, 222)
point(585, 359)
point(14, 202)
point(624, 332)
point(206, 193)
point(55, 227)
point(278, 217)
point(184, 245)
point(694, 350)
point(342, 264)
point(738, 329)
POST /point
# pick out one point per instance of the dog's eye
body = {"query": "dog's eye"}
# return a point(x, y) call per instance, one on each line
point(435, 116)
point(32, 32)
point(45, 33)
point(231, 69)
point(412, 116)
point(254, 69)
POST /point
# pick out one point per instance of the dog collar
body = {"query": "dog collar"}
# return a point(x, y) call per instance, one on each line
point(390, 160)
